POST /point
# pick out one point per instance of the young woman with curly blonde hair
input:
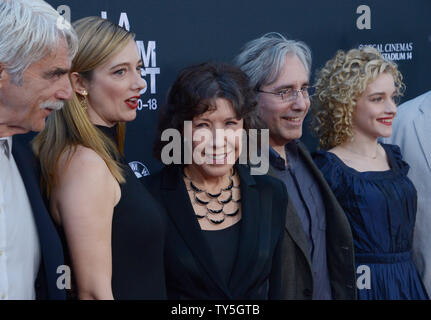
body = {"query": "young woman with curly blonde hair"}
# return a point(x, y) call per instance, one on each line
point(356, 96)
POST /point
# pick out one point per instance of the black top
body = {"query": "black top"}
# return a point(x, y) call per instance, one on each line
point(224, 248)
point(191, 268)
point(138, 233)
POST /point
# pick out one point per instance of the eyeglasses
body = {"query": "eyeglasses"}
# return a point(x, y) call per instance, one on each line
point(289, 95)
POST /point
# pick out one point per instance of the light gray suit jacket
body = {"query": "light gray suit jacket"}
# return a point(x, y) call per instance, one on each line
point(412, 132)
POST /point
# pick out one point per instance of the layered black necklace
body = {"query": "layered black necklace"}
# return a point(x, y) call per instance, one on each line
point(215, 202)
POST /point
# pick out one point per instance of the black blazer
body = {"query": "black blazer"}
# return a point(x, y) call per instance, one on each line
point(297, 275)
point(190, 268)
point(50, 244)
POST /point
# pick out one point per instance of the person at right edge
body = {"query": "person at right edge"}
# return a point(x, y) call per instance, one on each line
point(356, 92)
point(411, 131)
point(318, 253)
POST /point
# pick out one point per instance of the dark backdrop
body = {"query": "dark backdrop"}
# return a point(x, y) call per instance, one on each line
point(173, 34)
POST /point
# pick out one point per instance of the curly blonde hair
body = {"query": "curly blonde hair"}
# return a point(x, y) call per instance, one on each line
point(339, 85)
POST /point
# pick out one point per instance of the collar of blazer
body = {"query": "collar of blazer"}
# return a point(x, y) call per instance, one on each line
point(256, 218)
point(422, 125)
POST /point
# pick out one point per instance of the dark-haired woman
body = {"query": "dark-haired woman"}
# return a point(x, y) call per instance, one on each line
point(224, 224)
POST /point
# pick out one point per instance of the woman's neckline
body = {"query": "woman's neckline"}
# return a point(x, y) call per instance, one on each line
point(224, 229)
point(363, 173)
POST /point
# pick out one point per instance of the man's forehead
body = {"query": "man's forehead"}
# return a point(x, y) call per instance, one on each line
point(57, 58)
point(293, 73)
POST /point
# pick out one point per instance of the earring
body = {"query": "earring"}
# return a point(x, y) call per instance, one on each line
point(84, 101)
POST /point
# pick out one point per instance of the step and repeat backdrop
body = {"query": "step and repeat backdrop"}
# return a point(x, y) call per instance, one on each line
point(172, 34)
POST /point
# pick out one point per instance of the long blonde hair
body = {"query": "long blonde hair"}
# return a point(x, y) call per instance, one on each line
point(65, 129)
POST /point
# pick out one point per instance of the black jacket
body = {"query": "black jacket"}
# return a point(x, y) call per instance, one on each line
point(297, 275)
point(190, 268)
point(50, 244)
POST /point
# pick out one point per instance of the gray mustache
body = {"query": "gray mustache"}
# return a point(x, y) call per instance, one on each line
point(54, 105)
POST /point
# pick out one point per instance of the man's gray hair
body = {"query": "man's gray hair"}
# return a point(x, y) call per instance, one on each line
point(262, 59)
point(29, 31)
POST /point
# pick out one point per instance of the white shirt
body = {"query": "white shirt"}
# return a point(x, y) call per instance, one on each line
point(19, 242)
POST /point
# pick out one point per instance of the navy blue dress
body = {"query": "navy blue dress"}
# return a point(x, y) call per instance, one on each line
point(381, 208)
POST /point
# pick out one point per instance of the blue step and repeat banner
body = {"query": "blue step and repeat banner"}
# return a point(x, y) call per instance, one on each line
point(172, 34)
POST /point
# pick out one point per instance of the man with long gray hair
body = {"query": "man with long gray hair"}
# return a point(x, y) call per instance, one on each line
point(318, 247)
point(36, 49)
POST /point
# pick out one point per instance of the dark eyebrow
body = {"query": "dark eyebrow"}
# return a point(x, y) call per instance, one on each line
point(124, 64)
point(55, 72)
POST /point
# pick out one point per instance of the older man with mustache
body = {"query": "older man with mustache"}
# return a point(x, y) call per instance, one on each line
point(36, 49)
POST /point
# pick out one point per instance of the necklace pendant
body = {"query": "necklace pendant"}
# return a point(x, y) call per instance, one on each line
point(230, 185)
point(215, 211)
point(214, 195)
point(202, 202)
point(215, 221)
point(196, 189)
point(226, 201)
point(233, 213)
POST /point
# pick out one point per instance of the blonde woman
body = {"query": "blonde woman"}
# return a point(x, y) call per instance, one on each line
point(356, 95)
point(111, 224)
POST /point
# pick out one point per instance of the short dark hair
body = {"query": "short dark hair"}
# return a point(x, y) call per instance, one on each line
point(194, 91)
